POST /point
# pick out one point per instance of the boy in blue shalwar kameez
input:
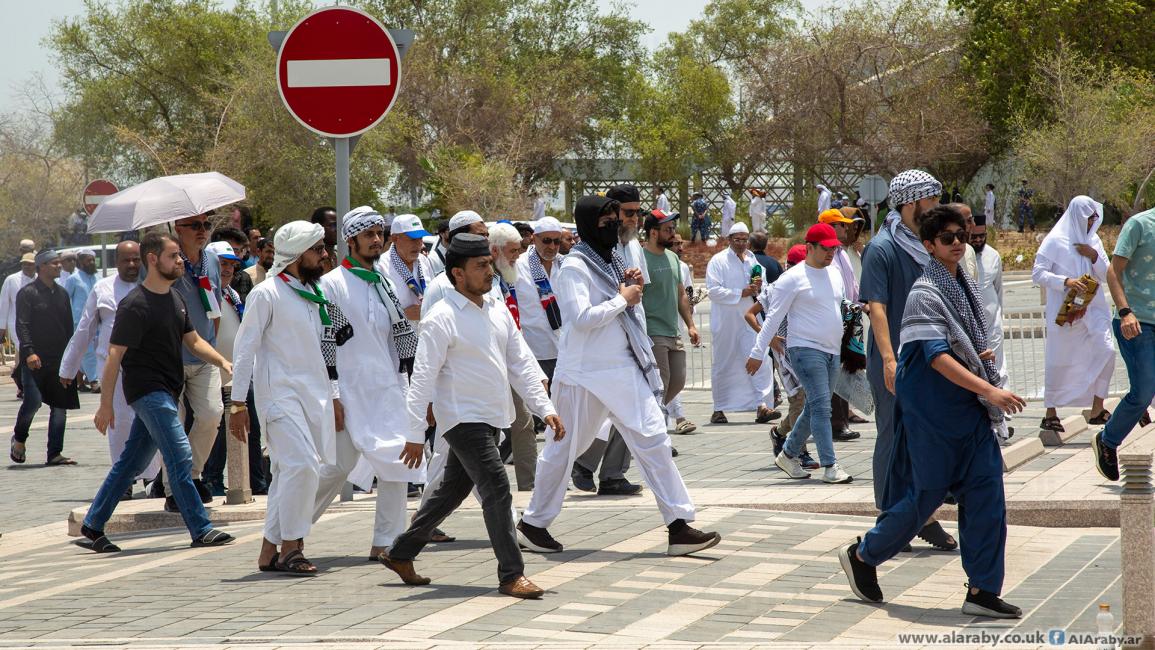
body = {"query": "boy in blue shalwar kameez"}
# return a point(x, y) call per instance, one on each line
point(949, 399)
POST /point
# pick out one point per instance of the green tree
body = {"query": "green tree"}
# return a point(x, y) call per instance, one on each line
point(1008, 38)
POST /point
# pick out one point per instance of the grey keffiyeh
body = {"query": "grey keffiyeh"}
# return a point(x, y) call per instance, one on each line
point(941, 307)
point(611, 275)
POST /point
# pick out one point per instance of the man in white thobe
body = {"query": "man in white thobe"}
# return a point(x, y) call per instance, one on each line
point(95, 324)
point(538, 208)
point(78, 286)
point(281, 349)
point(12, 286)
point(757, 210)
point(662, 202)
point(729, 209)
point(824, 197)
point(1080, 356)
point(405, 266)
point(989, 278)
point(733, 287)
point(372, 376)
point(606, 369)
point(989, 204)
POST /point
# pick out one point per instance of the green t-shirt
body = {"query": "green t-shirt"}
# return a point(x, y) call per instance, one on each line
point(660, 298)
point(1137, 243)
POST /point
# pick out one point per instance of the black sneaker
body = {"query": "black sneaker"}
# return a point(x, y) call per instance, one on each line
point(203, 490)
point(846, 435)
point(537, 539)
point(776, 441)
point(984, 603)
point(691, 540)
point(1106, 460)
point(619, 487)
point(583, 479)
point(213, 538)
point(170, 505)
point(863, 577)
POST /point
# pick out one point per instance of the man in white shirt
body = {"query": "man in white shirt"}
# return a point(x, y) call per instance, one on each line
point(757, 210)
point(662, 203)
point(989, 279)
point(729, 209)
point(372, 376)
point(811, 294)
point(286, 349)
point(469, 344)
point(989, 204)
point(731, 281)
point(824, 197)
point(405, 266)
point(95, 324)
point(538, 208)
point(606, 369)
point(537, 270)
point(12, 286)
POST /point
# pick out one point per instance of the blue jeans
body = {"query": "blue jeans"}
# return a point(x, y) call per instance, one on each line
point(1139, 355)
point(816, 370)
point(156, 426)
point(57, 417)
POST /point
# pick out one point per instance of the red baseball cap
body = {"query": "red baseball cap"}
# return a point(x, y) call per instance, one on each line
point(822, 234)
point(796, 254)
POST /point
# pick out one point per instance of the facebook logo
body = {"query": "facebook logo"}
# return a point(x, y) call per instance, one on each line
point(1057, 637)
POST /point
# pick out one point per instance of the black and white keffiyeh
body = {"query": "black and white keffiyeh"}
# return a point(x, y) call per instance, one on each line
point(905, 239)
point(414, 279)
point(611, 275)
point(941, 307)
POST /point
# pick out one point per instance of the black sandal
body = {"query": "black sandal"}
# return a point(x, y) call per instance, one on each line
point(439, 537)
point(296, 562)
point(271, 566)
point(1101, 418)
point(934, 534)
point(59, 459)
point(1052, 423)
point(718, 418)
point(1144, 419)
point(95, 541)
point(17, 457)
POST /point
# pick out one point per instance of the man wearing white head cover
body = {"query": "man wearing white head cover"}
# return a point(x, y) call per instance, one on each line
point(757, 210)
point(729, 209)
point(1080, 356)
point(824, 197)
point(373, 373)
point(285, 347)
point(536, 272)
point(405, 266)
point(733, 287)
point(95, 324)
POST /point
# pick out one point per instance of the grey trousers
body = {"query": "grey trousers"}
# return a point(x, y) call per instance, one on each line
point(613, 455)
point(523, 439)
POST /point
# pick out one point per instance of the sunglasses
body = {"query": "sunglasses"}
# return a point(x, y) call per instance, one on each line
point(196, 225)
point(631, 212)
point(948, 238)
point(318, 249)
point(550, 241)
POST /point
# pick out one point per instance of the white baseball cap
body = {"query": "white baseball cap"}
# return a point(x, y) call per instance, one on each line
point(463, 219)
point(223, 249)
point(408, 224)
point(547, 224)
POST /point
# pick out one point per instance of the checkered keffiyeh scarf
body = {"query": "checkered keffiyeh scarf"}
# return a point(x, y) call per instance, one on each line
point(942, 307)
point(544, 290)
point(611, 275)
point(414, 279)
point(336, 329)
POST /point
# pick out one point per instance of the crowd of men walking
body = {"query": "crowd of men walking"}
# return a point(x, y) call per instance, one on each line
point(395, 367)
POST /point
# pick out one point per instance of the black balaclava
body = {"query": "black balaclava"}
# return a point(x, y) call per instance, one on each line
point(586, 214)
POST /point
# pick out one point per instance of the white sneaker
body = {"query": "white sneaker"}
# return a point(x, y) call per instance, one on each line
point(834, 474)
point(791, 466)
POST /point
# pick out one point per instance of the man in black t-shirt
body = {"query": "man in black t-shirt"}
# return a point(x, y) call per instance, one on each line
point(152, 323)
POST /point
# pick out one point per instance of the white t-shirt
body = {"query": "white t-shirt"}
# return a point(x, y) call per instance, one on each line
point(813, 300)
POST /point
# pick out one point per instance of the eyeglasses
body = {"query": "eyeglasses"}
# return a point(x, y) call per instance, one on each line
point(739, 240)
point(948, 238)
point(196, 225)
point(631, 212)
point(318, 249)
point(550, 241)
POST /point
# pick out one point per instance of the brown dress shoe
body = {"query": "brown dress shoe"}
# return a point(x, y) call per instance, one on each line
point(521, 588)
point(403, 568)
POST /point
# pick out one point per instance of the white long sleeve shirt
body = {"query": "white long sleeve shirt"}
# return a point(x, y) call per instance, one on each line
point(465, 356)
point(12, 286)
point(541, 338)
point(812, 298)
point(99, 315)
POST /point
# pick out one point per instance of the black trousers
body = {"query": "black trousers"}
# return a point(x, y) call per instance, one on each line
point(473, 460)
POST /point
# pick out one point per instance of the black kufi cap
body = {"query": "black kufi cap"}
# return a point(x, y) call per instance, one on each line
point(624, 193)
point(467, 244)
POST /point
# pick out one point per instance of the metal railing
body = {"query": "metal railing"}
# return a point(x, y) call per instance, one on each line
point(1024, 340)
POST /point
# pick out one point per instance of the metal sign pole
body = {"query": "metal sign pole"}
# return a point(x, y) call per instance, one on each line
point(341, 150)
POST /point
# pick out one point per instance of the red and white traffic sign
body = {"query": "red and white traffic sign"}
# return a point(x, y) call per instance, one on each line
point(96, 192)
point(338, 70)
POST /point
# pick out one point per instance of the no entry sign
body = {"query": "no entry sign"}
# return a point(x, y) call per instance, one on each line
point(96, 192)
point(338, 71)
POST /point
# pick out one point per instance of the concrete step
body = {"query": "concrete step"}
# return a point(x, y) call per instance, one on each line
point(1019, 453)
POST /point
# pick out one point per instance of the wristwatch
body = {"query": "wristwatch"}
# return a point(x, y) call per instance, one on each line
point(237, 408)
point(1125, 312)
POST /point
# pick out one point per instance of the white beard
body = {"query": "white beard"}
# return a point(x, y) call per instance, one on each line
point(507, 271)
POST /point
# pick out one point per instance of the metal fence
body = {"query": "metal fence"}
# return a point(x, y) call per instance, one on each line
point(1024, 338)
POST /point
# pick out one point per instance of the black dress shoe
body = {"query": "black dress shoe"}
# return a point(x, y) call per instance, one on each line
point(156, 488)
point(127, 496)
point(170, 505)
point(846, 435)
point(620, 487)
point(203, 491)
point(583, 479)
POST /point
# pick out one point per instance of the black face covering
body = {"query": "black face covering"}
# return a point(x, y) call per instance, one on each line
point(586, 214)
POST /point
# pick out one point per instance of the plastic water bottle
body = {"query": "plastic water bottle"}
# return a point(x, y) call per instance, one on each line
point(1106, 624)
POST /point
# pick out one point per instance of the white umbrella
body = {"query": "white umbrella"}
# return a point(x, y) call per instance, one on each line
point(163, 200)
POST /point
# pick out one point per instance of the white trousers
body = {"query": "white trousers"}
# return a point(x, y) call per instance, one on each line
point(582, 412)
point(390, 520)
point(435, 473)
point(296, 467)
point(118, 434)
